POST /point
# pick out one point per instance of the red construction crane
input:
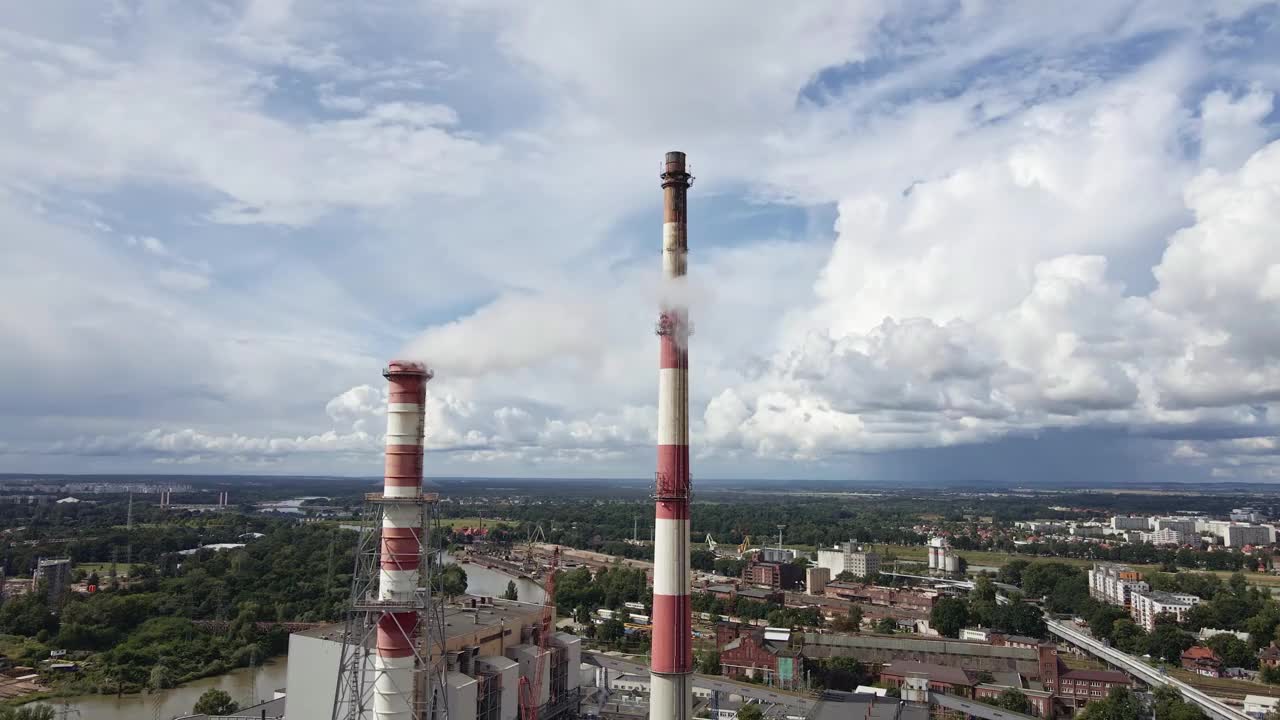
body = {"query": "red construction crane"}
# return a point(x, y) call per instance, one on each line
point(529, 691)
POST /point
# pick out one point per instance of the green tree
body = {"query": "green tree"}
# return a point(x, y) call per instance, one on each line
point(511, 593)
point(949, 616)
point(1233, 651)
point(1169, 705)
point(215, 702)
point(1120, 704)
point(750, 712)
point(1168, 641)
point(886, 626)
point(709, 662)
point(453, 581)
point(1013, 700)
point(851, 622)
point(611, 630)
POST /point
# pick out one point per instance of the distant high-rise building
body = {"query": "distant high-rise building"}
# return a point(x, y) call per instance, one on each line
point(1234, 535)
point(1115, 584)
point(1187, 525)
point(56, 574)
point(1130, 522)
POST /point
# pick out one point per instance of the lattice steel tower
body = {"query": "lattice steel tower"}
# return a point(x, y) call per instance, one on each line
point(391, 666)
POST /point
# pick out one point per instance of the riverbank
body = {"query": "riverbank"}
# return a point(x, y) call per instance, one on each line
point(247, 686)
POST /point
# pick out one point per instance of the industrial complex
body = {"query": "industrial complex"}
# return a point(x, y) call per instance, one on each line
point(406, 652)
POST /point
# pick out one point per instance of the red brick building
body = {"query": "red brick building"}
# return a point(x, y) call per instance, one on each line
point(1076, 688)
point(905, 598)
point(1202, 661)
point(749, 652)
point(1041, 700)
point(777, 576)
point(942, 678)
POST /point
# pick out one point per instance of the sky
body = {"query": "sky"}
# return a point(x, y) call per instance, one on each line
point(959, 240)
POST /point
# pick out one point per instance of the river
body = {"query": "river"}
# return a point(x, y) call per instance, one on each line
point(246, 686)
point(483, 581)
point(250, 687)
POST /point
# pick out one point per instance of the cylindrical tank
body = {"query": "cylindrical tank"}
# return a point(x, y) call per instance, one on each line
point(953, 562)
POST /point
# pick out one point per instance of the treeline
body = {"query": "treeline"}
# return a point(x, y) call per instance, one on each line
point(776, 615)
point(610, 588)
point(950, 615)
point(141, 635)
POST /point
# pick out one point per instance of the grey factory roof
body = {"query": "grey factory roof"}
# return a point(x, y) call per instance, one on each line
point(936, 673)
point(458, 620)
point(843, 705)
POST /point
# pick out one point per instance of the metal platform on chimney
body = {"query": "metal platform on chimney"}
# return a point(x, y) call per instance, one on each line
point(424, 499)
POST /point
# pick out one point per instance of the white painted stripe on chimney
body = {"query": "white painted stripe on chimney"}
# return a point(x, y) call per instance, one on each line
point(670, 546)
point(402, 517)
point(673, 399)
point(401, 491)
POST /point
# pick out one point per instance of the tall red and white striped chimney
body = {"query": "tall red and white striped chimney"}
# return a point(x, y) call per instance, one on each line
point(401, 550)
point(670, 696)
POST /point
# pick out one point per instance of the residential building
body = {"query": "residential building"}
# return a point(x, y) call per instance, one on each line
point(1168, 536)
point(1248, 515)
point(1146, 606)
point(1087, 530)
point(1130, 522)
point(1269, 656)
point(1115, 584)
point(1181, 524)
point(1238, 535)
point(1202, 661)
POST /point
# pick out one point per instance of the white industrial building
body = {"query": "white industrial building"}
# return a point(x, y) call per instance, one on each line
point(849, 557)
point(942, 557)
point(490, 644)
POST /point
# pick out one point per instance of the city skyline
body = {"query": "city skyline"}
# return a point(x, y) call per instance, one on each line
point(952, 242)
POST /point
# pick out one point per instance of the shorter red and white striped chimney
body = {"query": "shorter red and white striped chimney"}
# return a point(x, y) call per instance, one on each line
point(401, 545)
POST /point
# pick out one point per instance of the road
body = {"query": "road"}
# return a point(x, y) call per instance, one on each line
point(794, 704)
point(1212, 706)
